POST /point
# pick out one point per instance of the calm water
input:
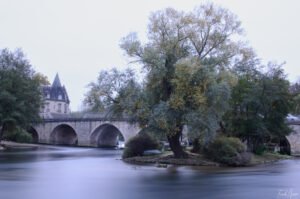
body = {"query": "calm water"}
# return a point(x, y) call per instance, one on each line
point(80, 173)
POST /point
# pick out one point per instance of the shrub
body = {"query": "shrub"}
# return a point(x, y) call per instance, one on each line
point(259, 150)
point(18, 135)
point(228, 150)
point(138, 144)
point(23, 137)
point(197, 146)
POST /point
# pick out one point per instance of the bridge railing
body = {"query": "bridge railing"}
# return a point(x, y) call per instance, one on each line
point(68, 119)
point(293, 122)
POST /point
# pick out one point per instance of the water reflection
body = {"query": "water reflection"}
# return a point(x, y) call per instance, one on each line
point(82, 173)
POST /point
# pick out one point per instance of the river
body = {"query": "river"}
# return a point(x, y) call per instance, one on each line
point(85, 173)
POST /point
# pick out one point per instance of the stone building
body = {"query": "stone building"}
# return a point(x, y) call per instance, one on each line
point(56, 100)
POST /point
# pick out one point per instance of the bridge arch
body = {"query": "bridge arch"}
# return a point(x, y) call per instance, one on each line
point(63, 134)
point(34, 134)
point(285, 146)
point(106, 135)
point(294, 138)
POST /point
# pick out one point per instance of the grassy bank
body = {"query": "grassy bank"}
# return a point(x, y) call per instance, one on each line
point(166, 159)
point(7, 145)
point(268, 157)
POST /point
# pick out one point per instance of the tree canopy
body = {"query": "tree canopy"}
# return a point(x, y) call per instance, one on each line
point(187, 59)
point(295, 92)
point(20, 93)
point(260, 102)
point(199, 74)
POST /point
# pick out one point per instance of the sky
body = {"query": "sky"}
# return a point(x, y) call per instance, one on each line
point(79, 38)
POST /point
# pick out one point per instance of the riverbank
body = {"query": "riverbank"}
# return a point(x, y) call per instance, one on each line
point(268, 157)
point(8, 145)
point(166, 159)
point(162, 160)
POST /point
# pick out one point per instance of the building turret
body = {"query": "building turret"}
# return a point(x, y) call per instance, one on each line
point(56, 99)
point(56, 82)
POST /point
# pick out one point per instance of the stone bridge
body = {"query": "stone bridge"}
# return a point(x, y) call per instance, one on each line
point(99, 132)
point(294, 138)
point(95, 132)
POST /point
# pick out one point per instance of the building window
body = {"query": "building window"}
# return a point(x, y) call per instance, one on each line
point(66, 108)
point(60, 97)
point(46, 107)
point(59, 108)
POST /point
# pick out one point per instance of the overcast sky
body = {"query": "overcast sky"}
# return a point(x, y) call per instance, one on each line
point(78, 38)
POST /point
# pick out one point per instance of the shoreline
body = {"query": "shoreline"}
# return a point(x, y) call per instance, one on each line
point(166, 160)
point(163, 160)
point(9, 145)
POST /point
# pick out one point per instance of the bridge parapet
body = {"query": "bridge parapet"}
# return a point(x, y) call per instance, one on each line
point(67, 119)
point(86, 130)
point(296, 122)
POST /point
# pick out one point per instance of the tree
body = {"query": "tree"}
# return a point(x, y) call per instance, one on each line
point(20, 93)
point(295, 92)
point(296, 104)
point(259, 105)
point(42, 79)
point(187, 81)
point(102, 94)
point(185, 56)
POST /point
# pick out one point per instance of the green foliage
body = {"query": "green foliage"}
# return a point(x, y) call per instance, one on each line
point(260, 103)
point(153, 133)
point(103, 93)
point(191, 62)
point(20, 92)
point(228, 150)
point(259, 150)
point(23, 136)
point(296, 104)
point(295, 92)
point(18, 135)
point(42, 79)
point(138, 144)
point(186, 59)
point(197, 146)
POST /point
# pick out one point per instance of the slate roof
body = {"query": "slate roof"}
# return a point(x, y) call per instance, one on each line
point(56, 91)
point(56, 82)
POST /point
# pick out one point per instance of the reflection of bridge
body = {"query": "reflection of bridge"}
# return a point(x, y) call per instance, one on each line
point(83, 131)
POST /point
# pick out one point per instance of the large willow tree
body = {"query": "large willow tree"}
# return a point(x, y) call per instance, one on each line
point(187, 58)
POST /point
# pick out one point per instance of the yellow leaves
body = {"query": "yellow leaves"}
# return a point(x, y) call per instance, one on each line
point(181, 85)
point(162, 124)
point(189, 90)
point(42, 79)
point(138, 105)
point(177, 102)
point(229, 77)
point(199, 98)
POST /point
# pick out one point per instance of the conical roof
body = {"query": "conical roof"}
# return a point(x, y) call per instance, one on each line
point(56, 82)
